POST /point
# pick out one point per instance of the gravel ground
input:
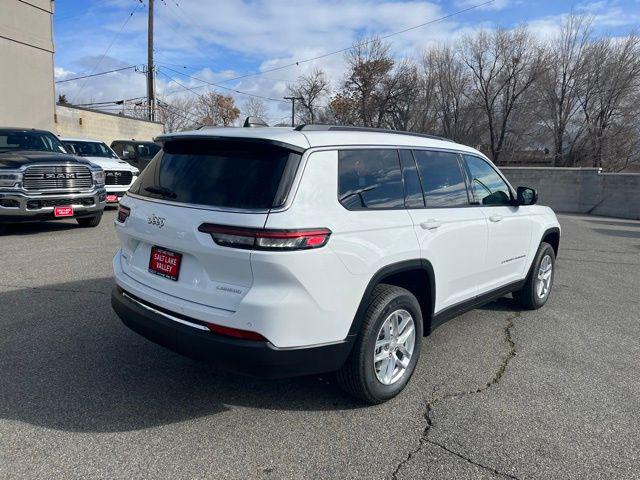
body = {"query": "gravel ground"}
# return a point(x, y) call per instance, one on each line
point(499, 393)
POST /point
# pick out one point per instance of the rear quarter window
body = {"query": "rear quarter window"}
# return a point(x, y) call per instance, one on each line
point(220, 173)
point(370, 179)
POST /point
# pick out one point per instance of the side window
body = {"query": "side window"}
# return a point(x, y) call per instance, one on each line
point(131, 149)
point(442, 179)
point(412, 189)
point(370, 178)
point(488, 187)
point(117, 147)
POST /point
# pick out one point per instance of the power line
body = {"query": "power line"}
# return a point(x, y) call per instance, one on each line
point(178, 83)
point(360, 44)
point(95, 74)
point(190, 117)
point(297, 63)
point(240, 92)
point(115, 102)
point(113, 40)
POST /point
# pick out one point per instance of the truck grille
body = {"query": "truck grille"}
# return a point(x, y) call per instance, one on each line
point(63, 202)
point(57, 177)
point(117, 177)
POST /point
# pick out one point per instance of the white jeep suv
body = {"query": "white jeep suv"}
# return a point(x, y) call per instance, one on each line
point(281, 251)
point(119, 175)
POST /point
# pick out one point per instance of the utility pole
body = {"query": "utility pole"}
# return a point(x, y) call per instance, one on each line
point(151, 87)
point(293, 108)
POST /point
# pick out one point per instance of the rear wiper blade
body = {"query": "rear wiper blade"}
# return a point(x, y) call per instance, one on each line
point(165, 192)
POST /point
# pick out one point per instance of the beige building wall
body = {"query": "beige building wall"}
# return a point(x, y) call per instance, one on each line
point(84, 123)
point(26, 64)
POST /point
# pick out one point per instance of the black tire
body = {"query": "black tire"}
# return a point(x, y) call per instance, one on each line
point(357, 376)
point(527, 297)
point(89, 222)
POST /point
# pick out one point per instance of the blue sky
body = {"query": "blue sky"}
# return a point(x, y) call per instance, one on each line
point(218, 40)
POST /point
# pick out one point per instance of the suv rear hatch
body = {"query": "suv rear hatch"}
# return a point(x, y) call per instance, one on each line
point(195, 182)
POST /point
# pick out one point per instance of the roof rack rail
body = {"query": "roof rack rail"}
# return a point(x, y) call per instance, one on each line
point(345, 128)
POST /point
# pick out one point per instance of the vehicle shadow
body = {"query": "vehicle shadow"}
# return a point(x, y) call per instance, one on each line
point(34, 228)
point(68, 363)
point(503, 304)
point(616, 223)
point(618, 233)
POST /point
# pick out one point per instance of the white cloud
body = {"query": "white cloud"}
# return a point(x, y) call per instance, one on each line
point(495, 5)
point(610, 13)
point(60, 73)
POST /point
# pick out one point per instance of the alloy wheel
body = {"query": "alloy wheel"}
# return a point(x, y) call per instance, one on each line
point(394, 347)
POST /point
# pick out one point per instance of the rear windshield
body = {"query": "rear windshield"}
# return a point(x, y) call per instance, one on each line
point(220, 173)
point(147, 150)
point(89, 149)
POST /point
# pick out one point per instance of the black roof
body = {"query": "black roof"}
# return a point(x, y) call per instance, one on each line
point(345, 128)
point(135, 141)
point(25, 129)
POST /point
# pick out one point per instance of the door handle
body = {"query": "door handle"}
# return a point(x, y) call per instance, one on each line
point(431, 224)
point(495, 218)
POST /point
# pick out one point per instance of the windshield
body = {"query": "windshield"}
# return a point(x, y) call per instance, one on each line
point(16, 140)
point(147, 151)
point(90, 149)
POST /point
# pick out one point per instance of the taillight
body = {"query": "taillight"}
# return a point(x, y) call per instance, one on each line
point(264, 239)
point(235, 333)
point(123, 213)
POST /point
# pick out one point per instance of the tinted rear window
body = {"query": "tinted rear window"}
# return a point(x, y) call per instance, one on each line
point(370, 179)
point(242, 175)
point(147, 150)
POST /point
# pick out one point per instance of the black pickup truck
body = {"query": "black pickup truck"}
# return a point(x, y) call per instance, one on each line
point(39, 180)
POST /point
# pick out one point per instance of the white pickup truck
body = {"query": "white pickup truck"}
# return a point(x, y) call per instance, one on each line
point(119, 175)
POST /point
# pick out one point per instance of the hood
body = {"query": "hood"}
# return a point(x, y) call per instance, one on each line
point(111, 163)
point(15, 160)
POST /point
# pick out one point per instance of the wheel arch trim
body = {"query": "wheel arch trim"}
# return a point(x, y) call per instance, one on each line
point(417, 264)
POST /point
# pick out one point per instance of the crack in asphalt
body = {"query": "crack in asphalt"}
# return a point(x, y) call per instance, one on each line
point(472, 462)
point(424, 439)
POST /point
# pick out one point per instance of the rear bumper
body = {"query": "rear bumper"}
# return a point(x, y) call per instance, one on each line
point(241, 356)
point(18, 206)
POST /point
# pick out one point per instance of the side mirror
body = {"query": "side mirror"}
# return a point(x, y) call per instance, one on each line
point(125, 155)
point(527, 196)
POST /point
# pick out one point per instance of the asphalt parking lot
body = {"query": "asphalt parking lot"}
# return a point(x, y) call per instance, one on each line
point(499, 393)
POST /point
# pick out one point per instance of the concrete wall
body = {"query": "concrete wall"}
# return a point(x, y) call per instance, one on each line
point(84, 123)
point(26, 64)
point(581, 190)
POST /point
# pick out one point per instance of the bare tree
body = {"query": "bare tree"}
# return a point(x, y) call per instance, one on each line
point(560, 83)
point(216, 109)
point(503, 64)
point(449, 83)
point(369, 65)
point(310, 90)
point(254, 107)
point(397, 97)
point(177, 114)
point(609, 96)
